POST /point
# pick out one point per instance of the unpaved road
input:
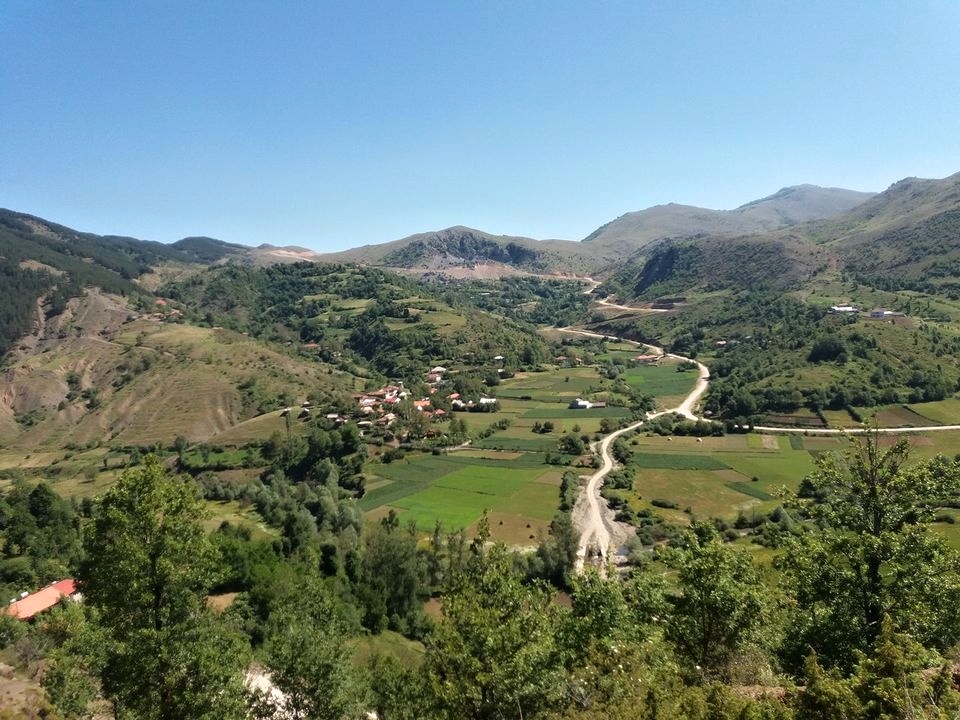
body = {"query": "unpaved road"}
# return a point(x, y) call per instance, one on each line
point(598, 529)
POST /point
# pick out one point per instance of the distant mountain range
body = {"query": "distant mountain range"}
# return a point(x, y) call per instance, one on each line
point(910, 228)
point(626, 237)
point(801, 203)
point(905, 237)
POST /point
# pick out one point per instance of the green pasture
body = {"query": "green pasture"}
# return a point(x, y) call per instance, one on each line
point(673, 461)
point(563, 412)
point(456, 490)
point(945, 412)
point(232, 512)
point(706, 493)
point(527, 442)
point(661, 381)
point(563, 384)
point(409, 652)
point(714, 477)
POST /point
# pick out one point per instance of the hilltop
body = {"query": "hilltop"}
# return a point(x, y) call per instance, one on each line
point(789, 206)
point(462, 251)
point(903, 237)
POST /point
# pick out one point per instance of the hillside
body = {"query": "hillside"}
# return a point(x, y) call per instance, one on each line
point(801, 203)
point(909, 234)
point(457, 249)
point(372, 317)
point(903, 238)
point(103, 373)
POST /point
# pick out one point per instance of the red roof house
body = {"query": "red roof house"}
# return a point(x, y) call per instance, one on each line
point(26, 607)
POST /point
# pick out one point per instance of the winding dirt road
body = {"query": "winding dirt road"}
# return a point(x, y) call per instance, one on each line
point(597, 526)
point(598, 529)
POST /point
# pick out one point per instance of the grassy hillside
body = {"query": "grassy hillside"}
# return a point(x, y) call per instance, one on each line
point(102, 373)
point(392, 323)
point(637, 230)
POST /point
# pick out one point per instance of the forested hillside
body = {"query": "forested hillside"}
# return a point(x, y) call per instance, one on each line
point(44, 264)
point(399, 326)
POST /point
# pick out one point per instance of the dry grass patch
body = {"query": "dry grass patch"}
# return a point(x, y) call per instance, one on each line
point(513, 529)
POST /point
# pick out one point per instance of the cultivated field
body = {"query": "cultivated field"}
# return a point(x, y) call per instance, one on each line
point(519, 492)
point(504, 471)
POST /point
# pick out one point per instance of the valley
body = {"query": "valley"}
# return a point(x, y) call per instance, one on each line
point(548, 419)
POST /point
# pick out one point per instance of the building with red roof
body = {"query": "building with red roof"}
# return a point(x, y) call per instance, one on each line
point(28, 606)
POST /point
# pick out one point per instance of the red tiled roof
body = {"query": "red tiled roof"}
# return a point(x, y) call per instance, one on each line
point(41, 600)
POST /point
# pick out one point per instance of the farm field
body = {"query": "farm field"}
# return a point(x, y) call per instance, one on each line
point(946, 412)
point(718, 477)
point(518, 491)
point(897, 416)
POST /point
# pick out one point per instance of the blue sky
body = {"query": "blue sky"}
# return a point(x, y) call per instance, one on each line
point(335, 124)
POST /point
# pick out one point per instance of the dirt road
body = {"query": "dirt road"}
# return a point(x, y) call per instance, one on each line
point(598, 529)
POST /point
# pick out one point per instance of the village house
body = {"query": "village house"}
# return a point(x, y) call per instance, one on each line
point(647, 359)
point(30, 604)
point(580, 404)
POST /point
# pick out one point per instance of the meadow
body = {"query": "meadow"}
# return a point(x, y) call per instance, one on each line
point(719, 477)
point(518, 492)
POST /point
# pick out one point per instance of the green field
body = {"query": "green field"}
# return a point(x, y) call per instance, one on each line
point(662, 381)
point(717, 477)
point(946, 412)
point(520, 494)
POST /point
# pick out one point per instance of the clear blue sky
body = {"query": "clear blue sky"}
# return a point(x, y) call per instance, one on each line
point(335, 124)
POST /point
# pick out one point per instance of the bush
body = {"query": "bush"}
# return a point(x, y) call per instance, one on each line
point(667, 504)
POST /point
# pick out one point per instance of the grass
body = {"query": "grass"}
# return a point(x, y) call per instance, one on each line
point(531, 443)
point(946, 412)
point(563, 412)
point(898, 416)
point(456, 489)
point(705, 492)
point(678, 462)
point(408, 652)
point(232, 512)
point(662, 381)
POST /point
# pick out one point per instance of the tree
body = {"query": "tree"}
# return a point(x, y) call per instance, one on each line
point(720, 606)
point(495, 654)
point(147, 569)
point(873, 554)
point(310, 661)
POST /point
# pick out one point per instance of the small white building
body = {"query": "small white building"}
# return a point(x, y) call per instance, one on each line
point(580, 404)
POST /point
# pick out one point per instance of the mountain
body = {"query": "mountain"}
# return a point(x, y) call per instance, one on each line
point(909, 234)
point(465, 252)
point(789, 206)
point(905, 237)
point(471, 251)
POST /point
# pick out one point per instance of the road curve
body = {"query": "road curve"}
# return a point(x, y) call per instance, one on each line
point(595, 532)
